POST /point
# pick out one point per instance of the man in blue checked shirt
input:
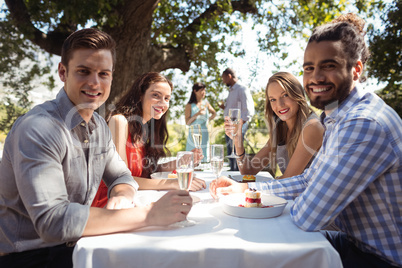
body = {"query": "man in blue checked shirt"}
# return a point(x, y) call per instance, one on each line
point(355, 181)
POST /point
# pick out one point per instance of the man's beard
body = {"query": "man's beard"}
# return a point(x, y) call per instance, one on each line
point(341, 94)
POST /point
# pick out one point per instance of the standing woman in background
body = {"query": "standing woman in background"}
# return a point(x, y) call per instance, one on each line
point(139, 130)
point(197, 111)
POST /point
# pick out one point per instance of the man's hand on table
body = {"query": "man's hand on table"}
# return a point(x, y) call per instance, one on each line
point(170, 208)
point(223, 185)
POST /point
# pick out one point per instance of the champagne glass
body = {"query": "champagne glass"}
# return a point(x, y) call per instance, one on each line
point(196, 134)
point(217, 159)
point(234, 116)
point(185, 173)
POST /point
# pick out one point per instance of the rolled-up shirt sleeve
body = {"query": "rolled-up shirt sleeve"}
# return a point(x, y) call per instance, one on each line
point(41, 180)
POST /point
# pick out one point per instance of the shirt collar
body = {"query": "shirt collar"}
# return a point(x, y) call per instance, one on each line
point(234, 86)
point(340, 111)
point(69, 112)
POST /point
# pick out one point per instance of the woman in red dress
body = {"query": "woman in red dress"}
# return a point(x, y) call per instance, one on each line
point(139, 128)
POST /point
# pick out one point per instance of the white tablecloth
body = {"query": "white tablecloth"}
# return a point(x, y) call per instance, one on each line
point(217, 240)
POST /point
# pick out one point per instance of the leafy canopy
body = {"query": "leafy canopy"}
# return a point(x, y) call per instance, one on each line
point(164, 36)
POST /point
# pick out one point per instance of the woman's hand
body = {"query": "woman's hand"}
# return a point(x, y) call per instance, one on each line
point(224, 185)
point(119, 202)
point(198, 156)
point(197, 184)
point(202, 110)
point(121, 196)
point(231, 128)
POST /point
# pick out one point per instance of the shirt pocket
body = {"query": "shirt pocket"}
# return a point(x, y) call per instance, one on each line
point(98, 165)
point(76, 179)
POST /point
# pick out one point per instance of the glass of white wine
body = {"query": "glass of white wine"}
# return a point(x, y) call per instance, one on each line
point(196, 134)
point(234, 116)
point(217, 152)
point(185, 174)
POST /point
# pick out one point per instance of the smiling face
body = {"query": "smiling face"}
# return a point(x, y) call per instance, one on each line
point(326, 77)
point(155, 101)
point(87, 79)
point(281, 103)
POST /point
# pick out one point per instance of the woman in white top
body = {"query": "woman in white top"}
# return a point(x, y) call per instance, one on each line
point(295, 132)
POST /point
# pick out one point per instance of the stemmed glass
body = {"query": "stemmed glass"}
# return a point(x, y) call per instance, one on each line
point(196, 134)
point(217, 159)
point(234, 116)
point(185, 173)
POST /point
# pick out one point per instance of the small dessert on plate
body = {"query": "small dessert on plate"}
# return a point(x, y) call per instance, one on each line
point(172, 175)
point(253, 198)
point(248, 178)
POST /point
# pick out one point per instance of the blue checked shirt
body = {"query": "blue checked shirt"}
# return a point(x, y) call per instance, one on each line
point(355, 180)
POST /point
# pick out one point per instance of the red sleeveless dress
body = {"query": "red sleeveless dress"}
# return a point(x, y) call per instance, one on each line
point(135, 154)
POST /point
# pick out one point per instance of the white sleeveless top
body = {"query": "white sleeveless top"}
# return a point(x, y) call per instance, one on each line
point(282, 157)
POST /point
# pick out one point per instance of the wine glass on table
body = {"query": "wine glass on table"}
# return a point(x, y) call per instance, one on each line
point(234, 116)
point(217, 159)
point(185, 174)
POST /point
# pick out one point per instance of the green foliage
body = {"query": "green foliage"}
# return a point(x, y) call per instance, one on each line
point(386, 56)
point(177, 138)
point(20, 64)
point(51, 15)
point(200, 28)
point(257, 127)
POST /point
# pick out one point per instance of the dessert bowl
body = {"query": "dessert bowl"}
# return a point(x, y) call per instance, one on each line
point(273, 206)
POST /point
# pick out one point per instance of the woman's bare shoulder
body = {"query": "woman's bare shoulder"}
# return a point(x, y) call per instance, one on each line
point(118, 118)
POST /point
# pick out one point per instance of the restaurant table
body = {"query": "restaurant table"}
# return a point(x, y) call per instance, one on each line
point(217, 240)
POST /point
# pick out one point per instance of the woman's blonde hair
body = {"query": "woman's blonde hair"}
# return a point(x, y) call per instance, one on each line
point(278, 131)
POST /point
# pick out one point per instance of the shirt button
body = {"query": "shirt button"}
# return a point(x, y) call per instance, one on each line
point(83, 124)
point(85, 141)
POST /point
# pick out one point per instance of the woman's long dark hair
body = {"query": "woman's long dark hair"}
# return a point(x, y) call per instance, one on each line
point(196, 87)
point(153, 134)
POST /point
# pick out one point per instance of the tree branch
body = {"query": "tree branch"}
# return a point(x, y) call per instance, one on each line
point(178, 57)
point(51, 42)
point(214, 10)
point(166, 57)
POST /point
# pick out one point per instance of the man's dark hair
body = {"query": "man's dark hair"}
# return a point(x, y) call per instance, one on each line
point(87, 38)
point(349, 30)
point(229, 71)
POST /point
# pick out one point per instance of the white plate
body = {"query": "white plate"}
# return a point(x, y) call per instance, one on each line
point(230, 205)
point(239, 178)
point(161, 175)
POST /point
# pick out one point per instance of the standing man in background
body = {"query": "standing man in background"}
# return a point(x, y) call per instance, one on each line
point(239, 97)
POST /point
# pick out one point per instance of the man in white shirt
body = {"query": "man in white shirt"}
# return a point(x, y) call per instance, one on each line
point(239, 97)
